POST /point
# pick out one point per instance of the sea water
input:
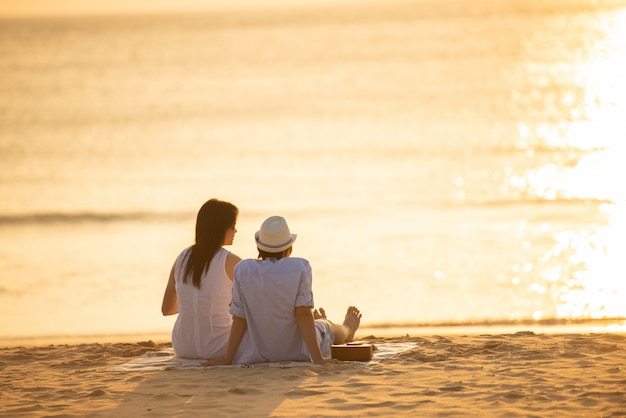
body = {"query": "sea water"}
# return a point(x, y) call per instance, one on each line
point(442, 162)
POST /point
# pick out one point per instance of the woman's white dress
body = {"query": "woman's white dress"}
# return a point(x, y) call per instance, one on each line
point(203, 324)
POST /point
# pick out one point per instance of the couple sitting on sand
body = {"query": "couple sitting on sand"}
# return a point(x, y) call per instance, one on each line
point(233, 311)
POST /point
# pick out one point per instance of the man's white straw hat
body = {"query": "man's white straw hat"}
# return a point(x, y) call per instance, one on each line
point(274, 235)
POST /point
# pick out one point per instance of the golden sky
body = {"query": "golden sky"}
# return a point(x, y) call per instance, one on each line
point(75, 7)
point(81, 7)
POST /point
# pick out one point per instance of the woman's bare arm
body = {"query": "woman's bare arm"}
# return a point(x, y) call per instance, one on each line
point(170, 301)
point(231, 262)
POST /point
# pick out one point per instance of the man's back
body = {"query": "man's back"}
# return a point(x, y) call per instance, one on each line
point(266, 293)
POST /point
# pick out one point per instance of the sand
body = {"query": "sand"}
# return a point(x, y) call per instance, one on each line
point(522, 374)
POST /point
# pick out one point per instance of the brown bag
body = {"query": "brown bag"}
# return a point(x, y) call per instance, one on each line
point(352, 351)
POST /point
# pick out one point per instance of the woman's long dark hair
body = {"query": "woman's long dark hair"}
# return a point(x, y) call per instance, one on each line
point(214, 219)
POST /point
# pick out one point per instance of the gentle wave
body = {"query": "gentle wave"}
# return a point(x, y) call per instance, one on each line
point(51, 218)
point(92, 217)
point(546, 322)
point(532, 200)
point(522, 201)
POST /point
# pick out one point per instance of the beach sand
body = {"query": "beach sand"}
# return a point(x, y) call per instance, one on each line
point(521, 374)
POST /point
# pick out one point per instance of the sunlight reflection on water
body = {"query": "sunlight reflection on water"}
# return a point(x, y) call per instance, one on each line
point(584, 271)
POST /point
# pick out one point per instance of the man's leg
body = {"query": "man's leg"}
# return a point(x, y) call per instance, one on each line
point(345, 332)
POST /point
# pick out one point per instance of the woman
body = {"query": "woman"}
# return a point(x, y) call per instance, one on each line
point(200, 285)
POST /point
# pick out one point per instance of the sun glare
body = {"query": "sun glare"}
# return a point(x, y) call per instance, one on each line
point(584, 271)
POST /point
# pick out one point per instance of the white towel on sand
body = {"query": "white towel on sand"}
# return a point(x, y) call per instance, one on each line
point(166, 359)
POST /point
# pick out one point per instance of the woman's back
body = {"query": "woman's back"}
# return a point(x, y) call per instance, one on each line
point(203, 324)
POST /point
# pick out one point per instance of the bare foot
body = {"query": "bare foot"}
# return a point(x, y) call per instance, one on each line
point(319, 315)
point(352, 321)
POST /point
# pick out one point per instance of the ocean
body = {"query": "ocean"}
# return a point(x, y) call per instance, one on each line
point(445, 163)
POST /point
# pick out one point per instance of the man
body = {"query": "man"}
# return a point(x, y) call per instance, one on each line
point(272, 306)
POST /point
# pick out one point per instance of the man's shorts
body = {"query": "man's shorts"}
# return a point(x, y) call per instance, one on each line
point(325, 336)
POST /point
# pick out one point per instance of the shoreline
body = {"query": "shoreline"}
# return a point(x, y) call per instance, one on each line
point(399, 331)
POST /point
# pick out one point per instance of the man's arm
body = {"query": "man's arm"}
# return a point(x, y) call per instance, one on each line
point(306, 323)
